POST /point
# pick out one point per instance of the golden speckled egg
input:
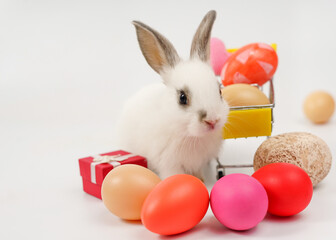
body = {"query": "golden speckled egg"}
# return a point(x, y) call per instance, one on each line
point(125, 189)
point(242, 94)
point(302, 149)
point(319, 106)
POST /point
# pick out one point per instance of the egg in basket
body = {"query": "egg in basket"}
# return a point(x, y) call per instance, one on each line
point(251, 120)
point(246, 74)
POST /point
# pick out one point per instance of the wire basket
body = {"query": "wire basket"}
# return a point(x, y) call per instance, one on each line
point(249, 121)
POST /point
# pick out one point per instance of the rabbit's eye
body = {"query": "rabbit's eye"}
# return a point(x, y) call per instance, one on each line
point(220, 92)
point(183, 98)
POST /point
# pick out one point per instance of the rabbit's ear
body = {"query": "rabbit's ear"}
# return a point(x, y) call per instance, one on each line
point(158, 51)
point(200, 47)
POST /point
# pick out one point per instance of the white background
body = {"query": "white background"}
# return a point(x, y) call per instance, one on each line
point(67, 67)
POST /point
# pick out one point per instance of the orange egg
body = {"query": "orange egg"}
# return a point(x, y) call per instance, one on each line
point(319, 106)
point(253, 63)
point(175, 205)
point(241, 94)
point(125, 189)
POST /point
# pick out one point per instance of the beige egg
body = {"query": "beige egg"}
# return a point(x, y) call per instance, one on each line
point(319, 106)
point(241, 94)
point(125, 189)
point(305, 150)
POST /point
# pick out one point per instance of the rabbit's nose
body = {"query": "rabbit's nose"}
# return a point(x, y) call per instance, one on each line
point(211, 123)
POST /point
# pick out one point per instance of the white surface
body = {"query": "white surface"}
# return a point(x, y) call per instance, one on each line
point(66, 67)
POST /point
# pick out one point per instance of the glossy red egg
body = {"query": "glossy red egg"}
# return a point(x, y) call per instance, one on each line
point(288, 187)
point(253, 64)
point(175, 205)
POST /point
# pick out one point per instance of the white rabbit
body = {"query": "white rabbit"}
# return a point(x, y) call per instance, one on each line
point(175, 124)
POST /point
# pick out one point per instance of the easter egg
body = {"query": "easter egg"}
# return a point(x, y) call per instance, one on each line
point(302, 149)
point(125, 189)
point(319, 106)
point(288, 187)
point(242, 94)
point(253, 63)
point(175, 205)
point(218, 55)
point(238, 201)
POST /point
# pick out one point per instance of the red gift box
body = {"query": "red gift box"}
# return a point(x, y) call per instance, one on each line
point(93, 169)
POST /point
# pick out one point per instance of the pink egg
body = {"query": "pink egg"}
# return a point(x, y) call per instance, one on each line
point(218, 55)
point(239, 201)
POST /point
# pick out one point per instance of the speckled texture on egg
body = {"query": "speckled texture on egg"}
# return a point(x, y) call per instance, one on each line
point(302, 149)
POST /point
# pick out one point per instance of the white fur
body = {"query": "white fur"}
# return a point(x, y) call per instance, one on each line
point(170, 136)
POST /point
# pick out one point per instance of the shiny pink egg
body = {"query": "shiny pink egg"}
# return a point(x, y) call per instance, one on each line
point(239, 201)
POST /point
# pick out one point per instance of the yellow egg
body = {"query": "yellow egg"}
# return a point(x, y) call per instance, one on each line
point(244, 95)
point(125, 189)
point(319, 106)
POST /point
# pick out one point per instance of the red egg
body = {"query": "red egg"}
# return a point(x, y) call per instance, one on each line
point(288, 187)
point(175, 205)
point(253, 63)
